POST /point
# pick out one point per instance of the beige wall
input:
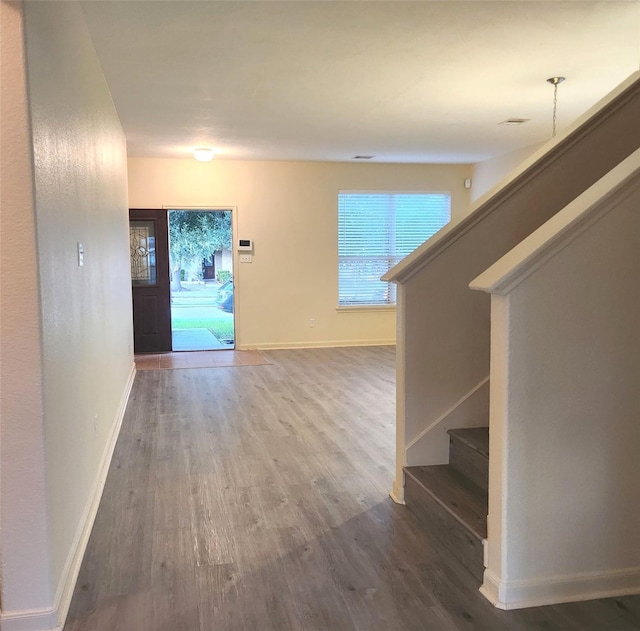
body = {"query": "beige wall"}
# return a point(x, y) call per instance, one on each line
point(488, 173)
point(289, 209)
point(24, 568)
point(80, 186)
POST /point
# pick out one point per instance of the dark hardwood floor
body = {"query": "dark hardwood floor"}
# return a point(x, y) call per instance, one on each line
point(256, 498)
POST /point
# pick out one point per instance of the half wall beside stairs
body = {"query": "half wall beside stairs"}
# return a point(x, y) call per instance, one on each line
point(565, 403)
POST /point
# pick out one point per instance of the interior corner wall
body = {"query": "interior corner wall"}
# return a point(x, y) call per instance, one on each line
point(24, 569)
point(80, 185)
point(289, 210)
point(486, 174)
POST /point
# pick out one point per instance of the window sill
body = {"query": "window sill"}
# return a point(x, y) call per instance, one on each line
point(355, 308)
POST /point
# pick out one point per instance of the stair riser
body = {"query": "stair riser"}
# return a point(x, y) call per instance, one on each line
point(452, 535)
point(469, 462)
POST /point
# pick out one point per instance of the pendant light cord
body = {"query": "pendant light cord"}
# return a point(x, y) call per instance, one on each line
point(555, 108)
point(554, 81)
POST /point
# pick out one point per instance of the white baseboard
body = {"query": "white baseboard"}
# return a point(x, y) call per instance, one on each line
point(490, 588)
point(69, 577)
point(53, 618)
point(397, 493)
point(30, 620)
point(553, 591)
point(268, 346)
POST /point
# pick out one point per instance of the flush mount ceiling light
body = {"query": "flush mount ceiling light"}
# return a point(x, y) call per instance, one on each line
point(515, 121)
point(555, 81)
point(203, 154)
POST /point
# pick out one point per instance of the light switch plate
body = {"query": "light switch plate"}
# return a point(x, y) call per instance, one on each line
point(80, 254)
point(246, 258)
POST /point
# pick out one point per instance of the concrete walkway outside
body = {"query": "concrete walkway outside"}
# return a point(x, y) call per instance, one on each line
point(196, 340)
point(196, 301)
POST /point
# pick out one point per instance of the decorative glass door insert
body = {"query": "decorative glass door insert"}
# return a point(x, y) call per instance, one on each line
point(142, 244)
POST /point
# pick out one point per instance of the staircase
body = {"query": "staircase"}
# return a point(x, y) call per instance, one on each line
point(452, 499)
point(456, 364)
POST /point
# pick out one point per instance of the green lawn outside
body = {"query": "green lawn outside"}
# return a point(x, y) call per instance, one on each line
point(221, 327)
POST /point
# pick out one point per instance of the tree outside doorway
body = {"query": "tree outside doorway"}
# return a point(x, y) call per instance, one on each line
point(201, 261)
point(196, 237)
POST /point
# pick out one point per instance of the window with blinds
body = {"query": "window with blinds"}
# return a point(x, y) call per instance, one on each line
point(376, 231)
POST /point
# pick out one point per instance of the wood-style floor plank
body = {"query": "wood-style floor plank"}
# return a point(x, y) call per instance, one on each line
point(256, 499)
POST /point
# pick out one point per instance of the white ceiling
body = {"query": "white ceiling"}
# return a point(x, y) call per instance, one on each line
point(328, 80)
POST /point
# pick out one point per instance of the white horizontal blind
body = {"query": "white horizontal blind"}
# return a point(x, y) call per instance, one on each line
point(376, 231)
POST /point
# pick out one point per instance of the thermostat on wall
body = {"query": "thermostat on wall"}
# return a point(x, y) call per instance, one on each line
point(245, 245)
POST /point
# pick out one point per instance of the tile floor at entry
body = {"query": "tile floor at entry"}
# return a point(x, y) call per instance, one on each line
point(199, 359)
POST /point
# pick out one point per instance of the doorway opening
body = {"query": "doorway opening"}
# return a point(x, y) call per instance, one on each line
point(201, 264)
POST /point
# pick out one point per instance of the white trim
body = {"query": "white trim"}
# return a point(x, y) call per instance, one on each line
point(397, 493)
point(30, 620)
point(401, 362)
point(360, 308)
point(274, 346)
point(53, 618)
point(568, 224)
point(444, 415)
point(183, 207)
point(561, 589)
point(490, 588)
point(386, 191)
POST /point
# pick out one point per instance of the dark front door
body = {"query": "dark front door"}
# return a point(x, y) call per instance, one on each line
point(209, 267)
point(148, 237)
